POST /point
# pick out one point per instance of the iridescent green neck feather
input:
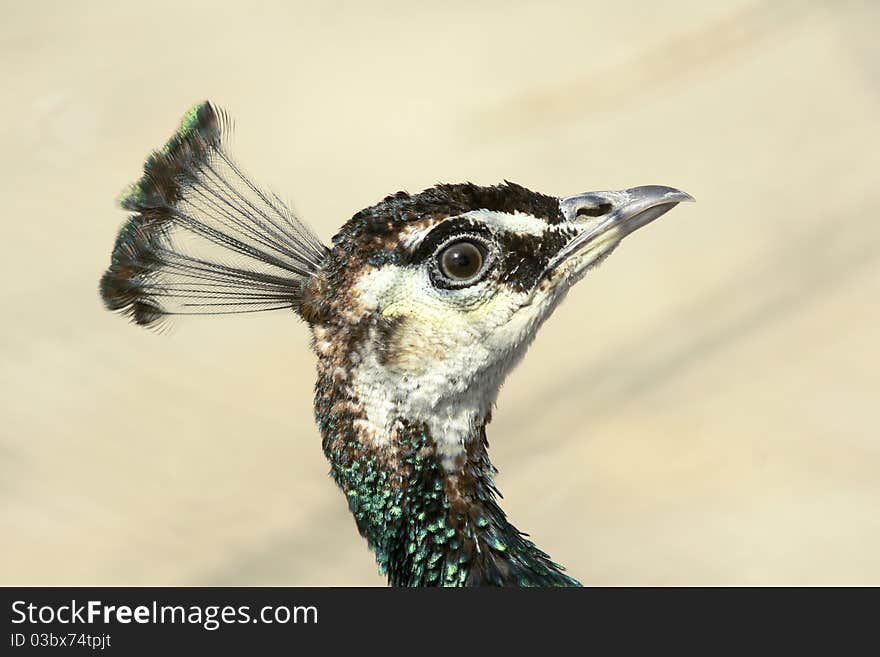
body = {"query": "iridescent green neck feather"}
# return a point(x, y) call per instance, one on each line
point(426, 527)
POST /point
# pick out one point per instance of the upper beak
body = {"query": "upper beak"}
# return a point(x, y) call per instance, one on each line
point(608, 217)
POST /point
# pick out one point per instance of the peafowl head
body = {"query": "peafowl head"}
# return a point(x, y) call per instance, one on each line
point(432, 298)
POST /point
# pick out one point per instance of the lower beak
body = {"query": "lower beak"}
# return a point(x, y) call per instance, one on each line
point(608, 217)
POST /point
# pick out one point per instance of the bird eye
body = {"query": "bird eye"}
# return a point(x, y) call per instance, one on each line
point(461, 261)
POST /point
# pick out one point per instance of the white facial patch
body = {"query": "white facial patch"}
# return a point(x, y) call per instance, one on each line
point(448, 356)
point(446, 352)
point(511, 222)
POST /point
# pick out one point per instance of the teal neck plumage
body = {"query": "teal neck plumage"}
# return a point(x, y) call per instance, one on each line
point(427, 528)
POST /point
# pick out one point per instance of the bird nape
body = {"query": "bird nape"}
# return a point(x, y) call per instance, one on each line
point(418, 310)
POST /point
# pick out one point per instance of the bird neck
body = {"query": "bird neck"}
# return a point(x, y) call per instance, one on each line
point(431, 517)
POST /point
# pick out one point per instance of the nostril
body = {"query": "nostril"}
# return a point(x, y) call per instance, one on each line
point(593, 210)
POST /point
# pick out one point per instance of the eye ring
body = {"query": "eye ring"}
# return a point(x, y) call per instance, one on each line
point(461, 261)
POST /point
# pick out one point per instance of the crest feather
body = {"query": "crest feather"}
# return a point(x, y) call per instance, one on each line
point(203, 238)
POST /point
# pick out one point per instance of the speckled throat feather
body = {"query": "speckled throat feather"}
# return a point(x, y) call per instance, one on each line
point(426, 528)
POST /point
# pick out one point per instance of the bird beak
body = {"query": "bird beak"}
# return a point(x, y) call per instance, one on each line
point(605, 218)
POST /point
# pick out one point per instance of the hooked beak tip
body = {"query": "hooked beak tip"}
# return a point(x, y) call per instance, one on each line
point(607, 217)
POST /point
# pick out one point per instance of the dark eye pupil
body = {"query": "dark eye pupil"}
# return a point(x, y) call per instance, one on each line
point(461, 261)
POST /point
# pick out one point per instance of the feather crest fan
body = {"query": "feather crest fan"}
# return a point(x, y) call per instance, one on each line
point(204, 239)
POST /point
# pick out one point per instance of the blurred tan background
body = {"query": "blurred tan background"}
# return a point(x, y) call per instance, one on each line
point(701, 410)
